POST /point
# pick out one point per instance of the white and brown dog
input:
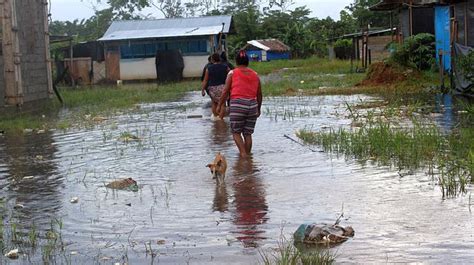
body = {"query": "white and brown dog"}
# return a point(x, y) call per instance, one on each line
point(218, 168)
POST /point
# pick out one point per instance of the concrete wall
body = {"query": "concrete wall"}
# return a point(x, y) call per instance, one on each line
point(2, 84)
point(26, 71)
point(139, 69)
point(34, 69)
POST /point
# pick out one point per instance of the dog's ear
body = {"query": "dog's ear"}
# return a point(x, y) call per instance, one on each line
point(209, 165)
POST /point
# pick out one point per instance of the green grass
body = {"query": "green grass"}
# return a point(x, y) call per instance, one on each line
point(92, 101)
point(309, 65)
point(317, 76)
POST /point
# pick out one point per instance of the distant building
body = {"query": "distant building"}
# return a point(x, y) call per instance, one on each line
point(24, 57)
point(130, 47)
point(267, 50)
point(368, 46)
point(451, 21)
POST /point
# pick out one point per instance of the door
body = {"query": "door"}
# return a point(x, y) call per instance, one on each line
point(442, 35)
point(112, 65)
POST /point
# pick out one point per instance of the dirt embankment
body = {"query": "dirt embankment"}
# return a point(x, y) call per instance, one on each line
point(385, 74)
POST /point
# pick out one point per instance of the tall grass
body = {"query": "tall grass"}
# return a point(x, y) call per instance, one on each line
point(405, 148)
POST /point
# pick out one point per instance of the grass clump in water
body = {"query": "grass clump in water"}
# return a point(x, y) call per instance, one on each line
point(91, 101)
point(287, 254)
point(406, 148)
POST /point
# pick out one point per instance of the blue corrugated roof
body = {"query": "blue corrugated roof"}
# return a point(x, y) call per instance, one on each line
point(162, 28)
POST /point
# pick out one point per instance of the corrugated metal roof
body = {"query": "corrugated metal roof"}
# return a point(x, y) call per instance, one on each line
point(162, 28)
point(268, 45)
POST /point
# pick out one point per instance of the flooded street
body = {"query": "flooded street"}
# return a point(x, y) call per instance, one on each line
point(180, 216)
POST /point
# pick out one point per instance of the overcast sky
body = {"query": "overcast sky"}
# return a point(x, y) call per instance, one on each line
point(78, 9)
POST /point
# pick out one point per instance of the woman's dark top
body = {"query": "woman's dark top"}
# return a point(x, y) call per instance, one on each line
point(217, 74)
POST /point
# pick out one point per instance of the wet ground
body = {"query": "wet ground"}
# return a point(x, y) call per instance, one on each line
point(180, 216)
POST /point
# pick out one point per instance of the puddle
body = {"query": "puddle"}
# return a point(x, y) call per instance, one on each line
point(183, 217)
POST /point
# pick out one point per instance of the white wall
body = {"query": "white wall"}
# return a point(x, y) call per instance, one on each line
point(137, 69)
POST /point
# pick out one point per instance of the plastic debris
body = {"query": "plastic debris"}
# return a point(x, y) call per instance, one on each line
point(322, 234)
point(74, 200)
point(12, 254)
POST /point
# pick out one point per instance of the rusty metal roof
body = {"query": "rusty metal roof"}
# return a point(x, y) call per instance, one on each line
point(268, 45)
point(386, 5)
point(165, 28)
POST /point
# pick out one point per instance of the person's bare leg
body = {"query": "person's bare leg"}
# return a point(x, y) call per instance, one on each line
point(214, 109)
point(240, 144)
point(222, 113)
point(248, 143)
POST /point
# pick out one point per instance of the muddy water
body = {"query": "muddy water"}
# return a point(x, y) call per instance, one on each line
point(185, 218)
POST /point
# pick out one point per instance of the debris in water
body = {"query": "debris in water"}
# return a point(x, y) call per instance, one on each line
point(39, 157)
point(99, 119)
point(194, 116)
point(127, 137)
point(12, 254)
point(322, 234)
point(74, 253)
point(160, 242)
point(18, 206)
point(28, 177)
point(128, 204)
point(74, 200)
point(123, 184)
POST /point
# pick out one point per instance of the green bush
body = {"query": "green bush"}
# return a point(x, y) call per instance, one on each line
point(343, 48)
point(417, 51)
point(466, 65)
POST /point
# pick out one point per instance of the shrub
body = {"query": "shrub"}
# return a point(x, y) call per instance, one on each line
point(466, 65)
point(343, 48)
point(417, 52)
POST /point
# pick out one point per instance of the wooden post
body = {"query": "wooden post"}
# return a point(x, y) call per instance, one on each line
point(410, 19)
point(11, 54)
point(48, 55)
point(441, 69)
point(71, 62)
point(465, 23)
point(391, 24)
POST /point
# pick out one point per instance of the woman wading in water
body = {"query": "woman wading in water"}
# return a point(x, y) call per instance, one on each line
point(243, 86)
point(214, 81)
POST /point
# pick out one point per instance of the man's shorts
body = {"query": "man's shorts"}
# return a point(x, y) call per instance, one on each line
point(243, 115)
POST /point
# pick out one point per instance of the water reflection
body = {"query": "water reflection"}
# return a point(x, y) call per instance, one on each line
point(221, 201)
point(444, 105)
point(220, 133)
point(30, 176)
point(249, 200)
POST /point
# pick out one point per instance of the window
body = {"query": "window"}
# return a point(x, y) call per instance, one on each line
point(148, 50)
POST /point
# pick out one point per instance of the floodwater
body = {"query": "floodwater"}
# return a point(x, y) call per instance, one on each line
point(180, 216)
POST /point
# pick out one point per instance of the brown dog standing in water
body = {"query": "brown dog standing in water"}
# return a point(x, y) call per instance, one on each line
point(218, 168)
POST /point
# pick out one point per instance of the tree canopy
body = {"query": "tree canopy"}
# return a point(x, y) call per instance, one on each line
point(253, 19)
